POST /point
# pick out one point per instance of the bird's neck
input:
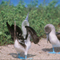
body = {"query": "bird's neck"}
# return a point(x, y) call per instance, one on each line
point(53, 32)
point(52, 35)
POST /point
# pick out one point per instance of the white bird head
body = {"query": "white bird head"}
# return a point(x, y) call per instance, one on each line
point(48, 28)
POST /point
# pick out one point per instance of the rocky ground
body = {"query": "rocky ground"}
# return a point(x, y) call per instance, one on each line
point(36, 52)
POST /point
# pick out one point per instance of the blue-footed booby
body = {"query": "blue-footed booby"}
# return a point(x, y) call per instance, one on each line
point(52, 36)
point(21, 38)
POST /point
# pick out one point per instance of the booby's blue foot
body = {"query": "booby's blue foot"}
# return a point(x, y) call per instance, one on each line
point(27, 58)
point(58, 53)
point(20, 57)
point(52, 52)
point(23, 57)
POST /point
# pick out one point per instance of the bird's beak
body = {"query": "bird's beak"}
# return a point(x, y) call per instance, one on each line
point(47, 35)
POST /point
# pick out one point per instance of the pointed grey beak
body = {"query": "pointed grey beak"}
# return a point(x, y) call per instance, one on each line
point(27, 17)
point(47, 35)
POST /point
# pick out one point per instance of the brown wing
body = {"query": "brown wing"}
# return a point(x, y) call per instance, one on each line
point(33, 34)
point(58, 35)
point(15, 36)
point(11, 30)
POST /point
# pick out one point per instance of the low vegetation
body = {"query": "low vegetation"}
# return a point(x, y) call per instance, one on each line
point(39, 16)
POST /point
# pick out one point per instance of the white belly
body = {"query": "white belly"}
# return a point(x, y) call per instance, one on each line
point(54, 40)
point(19, 48)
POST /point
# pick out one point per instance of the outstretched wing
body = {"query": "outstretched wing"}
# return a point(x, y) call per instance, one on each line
point(33, 34)
point(18, 29)
point(11, 30)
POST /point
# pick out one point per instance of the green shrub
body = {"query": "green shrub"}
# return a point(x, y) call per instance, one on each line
point(38, 17)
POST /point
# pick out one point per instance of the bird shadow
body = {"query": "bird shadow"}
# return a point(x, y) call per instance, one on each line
point(15, 55)
point(50, 49)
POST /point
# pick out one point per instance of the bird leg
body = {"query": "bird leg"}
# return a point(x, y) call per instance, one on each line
point(58, 53)
point(20, 56)
point(53, 51)
point(27, 58)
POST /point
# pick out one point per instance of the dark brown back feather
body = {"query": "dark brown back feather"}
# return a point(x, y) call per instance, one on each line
point(33, 34)
point(58, 35)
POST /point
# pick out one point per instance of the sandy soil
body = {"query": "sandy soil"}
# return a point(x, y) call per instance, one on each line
point(36, 52)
